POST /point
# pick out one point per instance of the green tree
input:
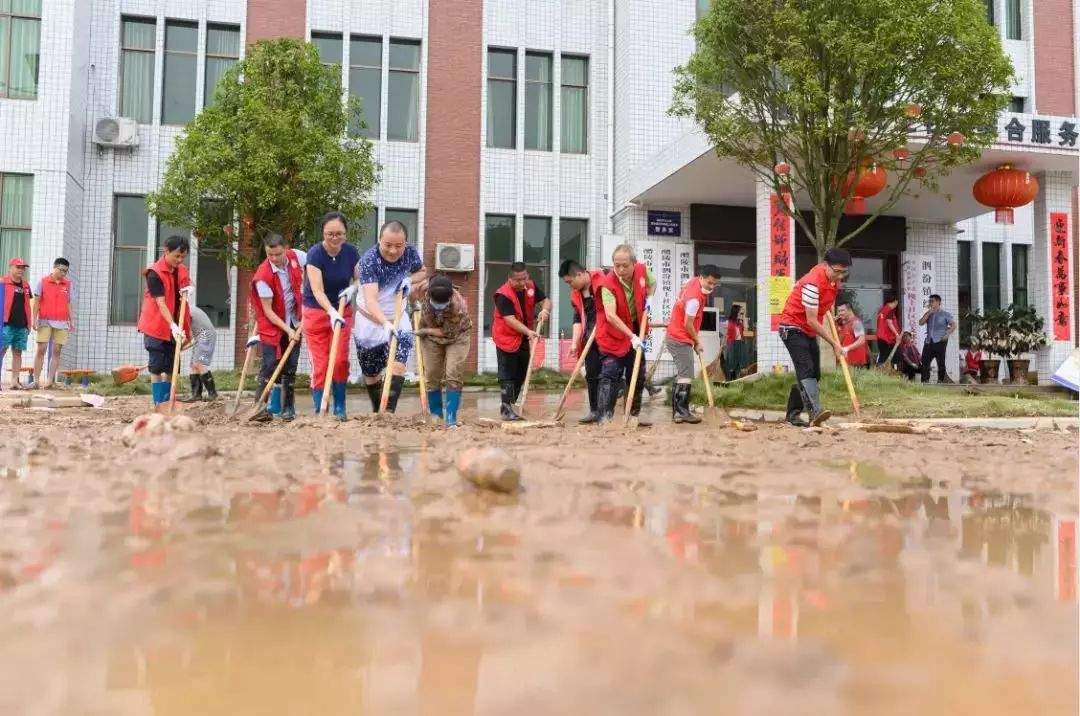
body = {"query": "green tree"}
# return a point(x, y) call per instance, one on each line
point(823, 89)
point(272, 148)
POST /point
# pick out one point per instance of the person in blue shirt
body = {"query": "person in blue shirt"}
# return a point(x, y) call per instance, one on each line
point(939, 326)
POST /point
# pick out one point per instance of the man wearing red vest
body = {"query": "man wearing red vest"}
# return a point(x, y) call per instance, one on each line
point(852, 335)
point(683, 340)
point(623, 293)
point(584, 288)
point(159, 316)
point(887, 331)
point(54, 319)
point(513, 322)
point(800, 326)
point(276, 304)
point(17, 316)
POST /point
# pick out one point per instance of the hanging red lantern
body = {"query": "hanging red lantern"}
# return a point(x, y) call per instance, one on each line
point(782, 169)
point(228, 229)
point(913, 111)
point(901, 153)
point(871, 180)
point(1004, 189)
point(919, 172)
point(956, 140)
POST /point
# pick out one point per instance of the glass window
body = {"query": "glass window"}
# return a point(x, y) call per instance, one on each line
point(130, 220)
point(990, 11)
point(991, 276)
point(1016, 104)
point(573, 240)
point(137, 69)
point(407, 217)
point(499, 249)
point(575, 104)
point(702, 8)
point(222, 52)
point(963, 284)
point(20, 48)
point(365, 83)
point(212, 292)
point(1013, 20)
point(538, 101)
point(1020, 275)
point(178, 85)
point(164, 231)
point(364, 232)
point(536, 252)
point(502, 99)
point(403, 92)
point(329, 46)
point(16, 211)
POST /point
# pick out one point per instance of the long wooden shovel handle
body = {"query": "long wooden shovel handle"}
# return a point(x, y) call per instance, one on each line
point(424, 407)
point(637, 368)
point(573, 376)
point(248, 357)
point(529, 369)
point(388, 374)
point(888, 361)
point(844, 365)
point(705, 379)
point(278, 368)
point(329, 379)
point(176, 355)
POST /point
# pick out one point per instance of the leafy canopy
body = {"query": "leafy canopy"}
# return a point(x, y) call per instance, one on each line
point(830, 86)
point(272, 147)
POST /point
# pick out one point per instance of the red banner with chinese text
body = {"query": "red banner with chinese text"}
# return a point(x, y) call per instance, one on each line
point(779, 251)
point(1059, 275)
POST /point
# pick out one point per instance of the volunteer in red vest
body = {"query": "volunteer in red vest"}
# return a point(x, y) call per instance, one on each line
point(852, 335)
point(684, 341)
point(801, 324)
point(513, 328)
point(623, 294)
point(886, 330)
point(275, 303)
point(584, 288)
point(17, 316)
point(54, 319)
point(159, 318)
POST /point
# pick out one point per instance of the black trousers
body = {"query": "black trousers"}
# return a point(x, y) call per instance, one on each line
point(593, 363)
point(620, 370)
point(513, 366)
point(934, 351)
point(806, 356)
point(270, 360)
point(884, 349)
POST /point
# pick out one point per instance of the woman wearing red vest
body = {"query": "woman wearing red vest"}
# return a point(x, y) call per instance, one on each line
point(624, 293)
point(800, 326)
point(852, 335)
point(513, 322)
point(53, 319)
point(17, 317)
point(887, 331)
point(276, 304)
point(166, 279)
point(683, 341)
point(584, 288)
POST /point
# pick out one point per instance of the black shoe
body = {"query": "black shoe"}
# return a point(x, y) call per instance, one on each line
point(396, 383)
point(795, 420)
point(374, 391)
point(680, 405)
point(196, 389)
point(208, 382)
point(820, 417)
point(288, 399)
point(606, 396)
point(506, 410)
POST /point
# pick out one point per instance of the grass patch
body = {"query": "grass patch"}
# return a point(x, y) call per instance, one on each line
point(884, 396)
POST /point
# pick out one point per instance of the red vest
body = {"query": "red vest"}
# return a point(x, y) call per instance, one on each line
point(151, 322)
point(612, 341)
point(268, 332)
point(506, 338)
point(9, 300)
point(884, 331)
point(676, 327)
point(795, 313)
point(54, 303)
point(858, 356)
point(596, 280)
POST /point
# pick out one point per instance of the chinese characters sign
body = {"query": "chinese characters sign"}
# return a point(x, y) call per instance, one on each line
point(665, 223)
point(917, 277)
point(780, 235)
point(672, 265)
point(1059, 274)
point(1056, 133)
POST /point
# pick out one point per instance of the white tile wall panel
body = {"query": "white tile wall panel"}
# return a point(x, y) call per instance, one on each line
point(939, 242)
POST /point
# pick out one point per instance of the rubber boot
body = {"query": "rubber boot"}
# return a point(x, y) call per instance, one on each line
point(812, 402)
point(606, 395)
point(196, 389)
point(397, 382)
point(288, 399)
point(274, 407)
point(208, 383)
point(795, 408)
point(159, 393)
point(453, 402)
point(263, 414)
point(316, 397)
point(374, 391)
point(506, 410)
point(680, 405)
point(338, 394)
point(434, 403)
point(594, 412)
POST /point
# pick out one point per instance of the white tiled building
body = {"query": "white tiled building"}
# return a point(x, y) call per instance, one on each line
point(570, 143)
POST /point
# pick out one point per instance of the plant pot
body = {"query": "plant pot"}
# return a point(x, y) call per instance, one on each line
point(1018, 371)
point(988, 371)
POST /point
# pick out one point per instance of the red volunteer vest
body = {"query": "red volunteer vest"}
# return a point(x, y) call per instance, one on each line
point(795, 313)
point(9, 300)
point(506, 338)
point(884, 331)
point(859, 356)
point(54, 303)
point(268, 332)
point(151, 322)
point(676, 329)
point(596, 281)
point(612, 341)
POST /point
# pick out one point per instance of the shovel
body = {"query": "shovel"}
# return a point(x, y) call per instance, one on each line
point(425, 409)
point(887, 366)
point(631, 420)
point(324, 408)
point(259, 413)
point(248, 357)
point(176, 356)
point(711, 415)
point(559, 415)
point(388, 373)
point(528, 371)
point(844, 366)
point(126, 373)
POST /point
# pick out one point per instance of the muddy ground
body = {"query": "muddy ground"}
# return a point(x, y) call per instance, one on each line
point(346, 568)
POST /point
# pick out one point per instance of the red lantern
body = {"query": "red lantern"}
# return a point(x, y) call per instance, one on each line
point(919, 172)
point(871, 180)
point(913, 111)
point(782, 169)
point(856, 135)
point(228, 229)
point(956, 140)
point(1004, 189)
point(901, 153)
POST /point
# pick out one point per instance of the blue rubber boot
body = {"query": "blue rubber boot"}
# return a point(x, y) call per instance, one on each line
point(316, 397)
point(338, 392)
point(453, 402)
point(434, 402)
point(160, 392)
point(275, 400)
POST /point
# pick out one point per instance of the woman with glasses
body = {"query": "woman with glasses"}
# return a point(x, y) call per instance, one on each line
point(332, 270)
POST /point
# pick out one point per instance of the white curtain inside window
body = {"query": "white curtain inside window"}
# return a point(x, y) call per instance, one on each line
point(574, 120)
point(403, 106)
point(538, 102)
point(24, 58)
point(137, 71)
point(129, 258)
point(16, 213)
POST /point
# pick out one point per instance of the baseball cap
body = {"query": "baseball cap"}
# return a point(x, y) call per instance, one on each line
point(17, 262)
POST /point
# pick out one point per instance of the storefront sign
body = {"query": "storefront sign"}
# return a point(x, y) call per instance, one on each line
point(780, 254)
point(1045, 131)
point(1059, 274)
point(665, 223)
point(918, 282)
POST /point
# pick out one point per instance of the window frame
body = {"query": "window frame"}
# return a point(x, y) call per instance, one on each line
point(208, 91)
point(1014, 20)
point(985, 247)
point(112, 255)
point(513, 82)
point(366, 132)
point(1016, 251)
point(120, 70)
point(563, 84)
point(15, 227)
point(12, 16)
point(165, 53)
point(488, 302)
point(391, 70)
point(550, 84)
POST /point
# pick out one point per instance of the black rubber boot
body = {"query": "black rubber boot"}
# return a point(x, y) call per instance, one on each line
point(374, 391)
point(208, 383)
point(396, 384)
point(594, 411)
point(196, 389)
point(506, 410)
point(606, 396)
point(288, 399)
point(795, 408)
point(680, 405)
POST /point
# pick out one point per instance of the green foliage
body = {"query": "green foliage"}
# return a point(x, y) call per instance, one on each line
point(827, 85)
point(1008, 332)
point(272, 148)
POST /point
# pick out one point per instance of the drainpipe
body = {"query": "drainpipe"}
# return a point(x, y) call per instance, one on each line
point(611, 116)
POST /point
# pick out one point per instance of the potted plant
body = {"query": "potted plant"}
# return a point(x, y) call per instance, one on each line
point(990, 335)
point(1026, 335)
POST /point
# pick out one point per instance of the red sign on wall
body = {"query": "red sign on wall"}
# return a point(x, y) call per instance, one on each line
point(1059, 275)
point(779, 251)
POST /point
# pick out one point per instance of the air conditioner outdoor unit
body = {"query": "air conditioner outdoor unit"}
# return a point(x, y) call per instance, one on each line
point(455, 257)
point(116, 132)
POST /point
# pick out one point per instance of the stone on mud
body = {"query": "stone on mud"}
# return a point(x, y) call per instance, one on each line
point(151, 425)
point(490, 468)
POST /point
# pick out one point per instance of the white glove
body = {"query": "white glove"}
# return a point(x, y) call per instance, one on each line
point(177, 332)
point(252, 340)
point(349, 293)
point(389, 327)
point(335, 318)
point(636, 343)
point(187, 291)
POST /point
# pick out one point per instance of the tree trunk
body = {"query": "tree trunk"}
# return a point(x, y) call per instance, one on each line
point(245, 246)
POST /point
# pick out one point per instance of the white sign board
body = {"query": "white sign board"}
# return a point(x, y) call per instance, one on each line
point(918, 281)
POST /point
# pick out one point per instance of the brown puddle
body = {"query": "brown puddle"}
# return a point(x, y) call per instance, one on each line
point(347, 570)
